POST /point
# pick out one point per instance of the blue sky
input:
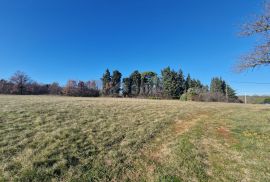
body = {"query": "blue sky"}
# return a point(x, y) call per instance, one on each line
point(57, 40)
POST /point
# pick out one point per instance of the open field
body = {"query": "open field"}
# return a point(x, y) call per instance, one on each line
point(45, 138)
point(255, 99)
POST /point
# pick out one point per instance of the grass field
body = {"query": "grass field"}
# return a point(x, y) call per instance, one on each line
point(45, 138)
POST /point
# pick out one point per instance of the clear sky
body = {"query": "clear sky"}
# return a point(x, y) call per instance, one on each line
point(57, 40)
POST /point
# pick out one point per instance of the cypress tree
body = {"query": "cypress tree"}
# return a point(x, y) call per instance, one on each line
point(180, 83)
point(218, 86)
point(167, 81)
point(127, 86)
point(188, 83)
point(106, 82)
point(116, 83)
point(147, 82)
point(135, 79)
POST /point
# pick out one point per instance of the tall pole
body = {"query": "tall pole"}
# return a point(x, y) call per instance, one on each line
point(245, 98)
point(227, 97)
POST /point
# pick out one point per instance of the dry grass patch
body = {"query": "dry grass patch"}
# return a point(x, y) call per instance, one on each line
point(45, 138)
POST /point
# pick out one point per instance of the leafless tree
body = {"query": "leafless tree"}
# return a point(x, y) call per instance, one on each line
point(20, 80)
point(55, 89)
point(260, 56)
point(71, 88)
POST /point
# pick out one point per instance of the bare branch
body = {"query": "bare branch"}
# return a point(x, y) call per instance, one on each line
point(259, 57)
point(261, 54)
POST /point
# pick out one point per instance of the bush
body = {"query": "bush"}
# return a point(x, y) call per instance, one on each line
point(154, 98)
point(183, 97)
point(199, 95)
point(267, 101)
point(213, 97)
point(191, 95)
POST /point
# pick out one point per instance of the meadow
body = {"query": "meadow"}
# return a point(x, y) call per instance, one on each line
point(51, 138)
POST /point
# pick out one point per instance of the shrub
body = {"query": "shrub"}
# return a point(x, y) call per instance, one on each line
point(183, 97)
point(267, 101)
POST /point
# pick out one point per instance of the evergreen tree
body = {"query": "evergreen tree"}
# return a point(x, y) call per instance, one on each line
point(180, 83)
point(196, 84)
point(116, 82)
point(167, 81)
point(156, 86)
point(232, 97)
point(172, 83)
point(218, 86)
point(175, 85)
point(188, 83)
point(135, 79)
point(127, 86)
point(106, 82)
point(147, 82)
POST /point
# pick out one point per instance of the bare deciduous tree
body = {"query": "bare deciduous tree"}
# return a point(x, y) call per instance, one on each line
point(260, 56)
point(55, 89)
point(20, 80)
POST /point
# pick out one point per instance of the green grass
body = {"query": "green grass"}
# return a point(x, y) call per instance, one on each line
point(45, 138)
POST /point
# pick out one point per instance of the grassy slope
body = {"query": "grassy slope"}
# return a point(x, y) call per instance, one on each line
point(81, 139)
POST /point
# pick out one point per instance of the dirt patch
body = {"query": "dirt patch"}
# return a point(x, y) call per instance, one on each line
point(182, 126)
point(224, 132)
point(179, 128)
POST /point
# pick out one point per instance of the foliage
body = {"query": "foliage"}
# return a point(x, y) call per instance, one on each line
point(267, 101)
point(173, 83)
point(188, 83)
point(135, 79)
point(170, 85)
point(184, 97)
point(106, 83)
point(116, 83)
point(127, 84)
point(180, 83)
point(111, 84)
point(218, 85)
point(191, 95)
point(221, 91)
point(147, 83)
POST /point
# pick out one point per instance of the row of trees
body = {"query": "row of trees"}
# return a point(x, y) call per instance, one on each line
point(219, 91)
point(111, 84)
point(171, 84)
point(81, 89)
point(21, 84)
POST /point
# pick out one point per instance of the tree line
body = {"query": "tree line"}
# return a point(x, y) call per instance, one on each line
point(21, 84)
point(169, 84)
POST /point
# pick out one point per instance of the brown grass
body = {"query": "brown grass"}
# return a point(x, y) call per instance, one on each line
point(104, 139)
